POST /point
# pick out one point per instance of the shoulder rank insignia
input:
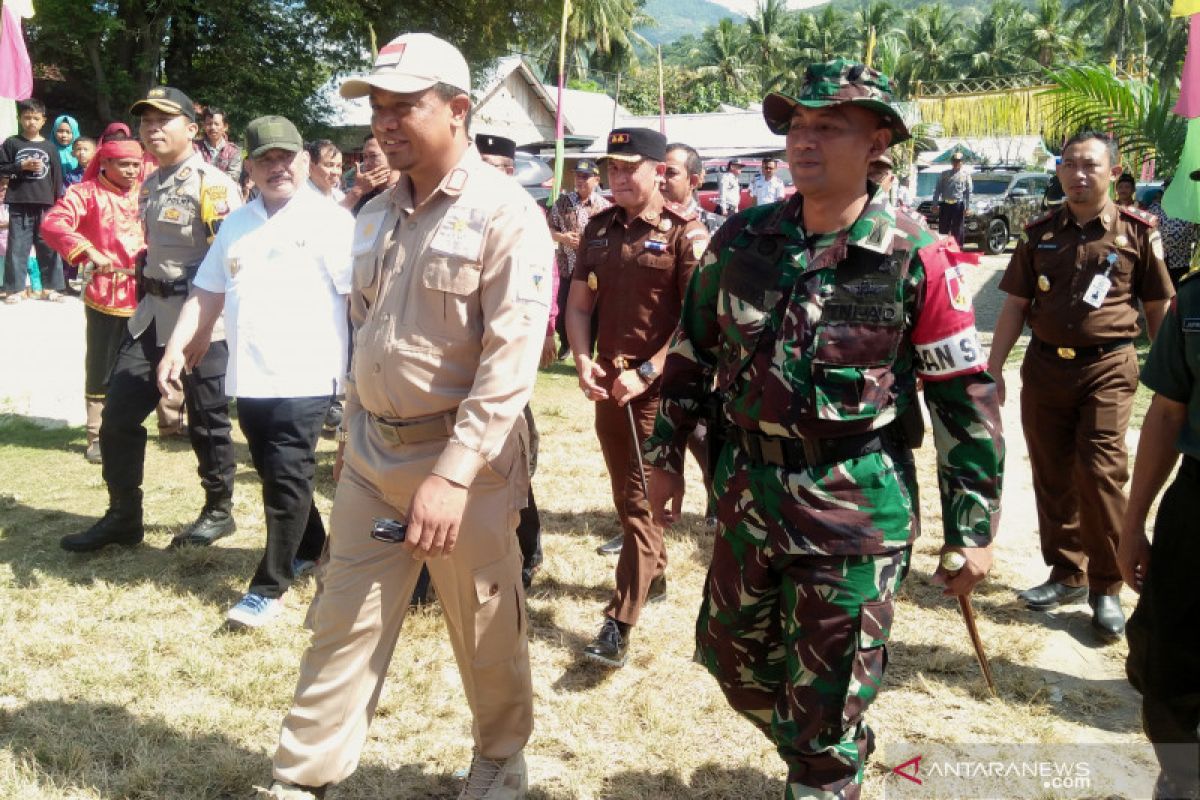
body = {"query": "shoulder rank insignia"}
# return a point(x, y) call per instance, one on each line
point(1138, 215)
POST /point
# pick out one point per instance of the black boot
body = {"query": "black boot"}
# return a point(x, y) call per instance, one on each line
point(215, 521)
point(121, 524)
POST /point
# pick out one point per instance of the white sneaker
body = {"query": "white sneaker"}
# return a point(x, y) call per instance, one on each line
point(254, 611)
point(496, 780)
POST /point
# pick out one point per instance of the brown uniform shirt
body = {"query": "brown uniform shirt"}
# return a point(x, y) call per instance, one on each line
point(638, 271)
point(1058, 259)
point(448, 308)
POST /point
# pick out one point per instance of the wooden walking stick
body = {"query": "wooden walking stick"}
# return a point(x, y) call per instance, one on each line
point(953, 562)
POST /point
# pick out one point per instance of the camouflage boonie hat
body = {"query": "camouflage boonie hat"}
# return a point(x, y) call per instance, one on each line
point(833, 83)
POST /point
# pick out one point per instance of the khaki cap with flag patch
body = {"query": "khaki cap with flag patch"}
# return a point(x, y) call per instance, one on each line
point(834, 83)
point(412, 62)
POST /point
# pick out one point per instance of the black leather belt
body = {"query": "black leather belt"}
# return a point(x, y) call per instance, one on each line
point(800, 454)
point(415, 431)
point(154, 286)
point(1072, 353)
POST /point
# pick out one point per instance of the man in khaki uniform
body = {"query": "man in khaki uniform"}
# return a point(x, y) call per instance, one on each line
point(1077, 278)
point(449, 304)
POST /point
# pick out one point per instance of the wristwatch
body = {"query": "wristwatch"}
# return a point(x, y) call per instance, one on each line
point(647, 372)
point(341, 435)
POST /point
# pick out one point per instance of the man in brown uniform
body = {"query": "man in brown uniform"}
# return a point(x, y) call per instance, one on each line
point(1076, 277)
point(449, 303)
point(635, 260)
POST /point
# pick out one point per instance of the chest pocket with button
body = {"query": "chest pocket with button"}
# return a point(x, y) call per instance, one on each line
point(449, 307)
point(857, 338)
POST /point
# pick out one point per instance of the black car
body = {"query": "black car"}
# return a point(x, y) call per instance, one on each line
point(1002, 203)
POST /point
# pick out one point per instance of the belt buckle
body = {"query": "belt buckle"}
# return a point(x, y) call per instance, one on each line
point(1065, 353)
point(386, 431)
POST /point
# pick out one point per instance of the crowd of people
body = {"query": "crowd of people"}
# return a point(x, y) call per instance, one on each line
point(786, 345)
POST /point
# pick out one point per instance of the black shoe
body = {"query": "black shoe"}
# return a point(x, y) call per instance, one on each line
point(1108, 619)
point(1052, 594)
point(609, 647)
point(1167, 789)
point(212, 524)
point(612, 547)
point(658, 590)
point(121, 524)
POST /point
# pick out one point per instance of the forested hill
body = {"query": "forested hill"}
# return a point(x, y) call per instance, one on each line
point(679, 18)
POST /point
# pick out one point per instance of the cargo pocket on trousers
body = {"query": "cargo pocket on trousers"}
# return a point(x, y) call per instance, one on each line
point(870, 660)
point(499, 612)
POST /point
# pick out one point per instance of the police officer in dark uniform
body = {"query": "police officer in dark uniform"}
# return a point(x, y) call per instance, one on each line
point(1164, 640)
point(1077, 278)
point(635, 261)
point(182, 204)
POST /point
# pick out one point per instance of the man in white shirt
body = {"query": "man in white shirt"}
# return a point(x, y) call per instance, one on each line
point(767, 187)
point(280, 269)
point(730, 198)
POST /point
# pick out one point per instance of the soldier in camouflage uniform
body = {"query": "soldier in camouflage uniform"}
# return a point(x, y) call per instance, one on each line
point(817, 315)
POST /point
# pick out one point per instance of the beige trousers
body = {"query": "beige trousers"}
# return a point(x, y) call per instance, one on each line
point(365, 586)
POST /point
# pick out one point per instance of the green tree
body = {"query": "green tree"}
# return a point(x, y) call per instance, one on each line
point(1138, 113)
point(1121, 28)
point(932, 38)
point(993, 47)
point(873, 21)
point(768, 41)
point(720, 55)
point(822, 36)
point(1053, 35)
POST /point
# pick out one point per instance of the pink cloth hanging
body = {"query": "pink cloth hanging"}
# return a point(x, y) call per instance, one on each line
point(1189, 85)
point(16, 71)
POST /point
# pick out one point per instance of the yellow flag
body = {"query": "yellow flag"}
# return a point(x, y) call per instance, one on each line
point(1185, 8)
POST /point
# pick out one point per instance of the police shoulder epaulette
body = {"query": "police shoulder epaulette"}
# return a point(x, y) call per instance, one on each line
point(1039, 220)
point(682, 212)
point(1139, 215)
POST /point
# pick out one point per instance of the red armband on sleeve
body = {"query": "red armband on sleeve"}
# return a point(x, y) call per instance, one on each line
point(946, 343)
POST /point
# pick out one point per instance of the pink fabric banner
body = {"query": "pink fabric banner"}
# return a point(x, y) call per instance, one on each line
point(16, 71)
point(1189, 83)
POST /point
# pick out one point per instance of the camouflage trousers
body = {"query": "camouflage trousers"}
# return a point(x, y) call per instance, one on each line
point(796, 640)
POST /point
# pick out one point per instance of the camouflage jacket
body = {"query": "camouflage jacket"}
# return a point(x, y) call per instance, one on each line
point(827, 337)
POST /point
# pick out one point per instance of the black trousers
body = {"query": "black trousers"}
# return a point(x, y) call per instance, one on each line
point(1164, 640)
point(951, 218)
point(282, 434)
point(529, 528)
point(133, 395)
point(24, 235)
point(105, 334)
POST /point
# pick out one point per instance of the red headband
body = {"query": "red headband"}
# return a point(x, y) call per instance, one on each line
point(128, 148)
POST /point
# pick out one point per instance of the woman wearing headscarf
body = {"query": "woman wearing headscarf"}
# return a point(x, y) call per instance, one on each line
point(65, 132)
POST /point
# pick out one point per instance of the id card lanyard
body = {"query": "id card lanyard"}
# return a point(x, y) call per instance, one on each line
point(1098, 289)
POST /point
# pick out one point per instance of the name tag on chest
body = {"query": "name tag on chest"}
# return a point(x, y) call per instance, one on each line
point(1097, 291)
point(460, 233)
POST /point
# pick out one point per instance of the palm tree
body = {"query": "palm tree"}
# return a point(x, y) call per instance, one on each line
point(823, 36)
point(1136, 112)
point(720, 54)
point(874, 20)
point(767, 42)
point(1121, 27)
point(932, 37)
point(1053, 35)
point(600, 33)
point(993, 47)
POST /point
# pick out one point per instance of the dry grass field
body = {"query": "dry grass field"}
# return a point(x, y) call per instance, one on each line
point(115, 681)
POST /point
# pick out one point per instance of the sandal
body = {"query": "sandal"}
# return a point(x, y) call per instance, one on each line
point(51, 296)
point(12, 299)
